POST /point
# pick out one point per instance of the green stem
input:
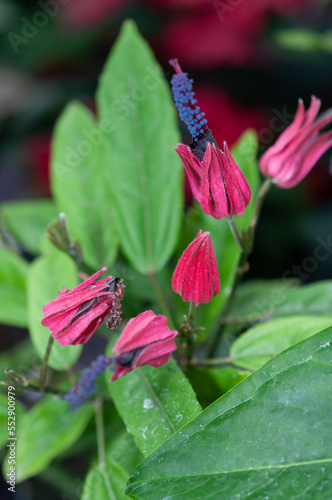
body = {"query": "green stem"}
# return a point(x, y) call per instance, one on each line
point(191, 312)
point(161, 299)
point(98, 404)
point(245, 252)
point(260, 199)
point(43, 370)
point(216, 361)
point(235, 232)
point(243, 265)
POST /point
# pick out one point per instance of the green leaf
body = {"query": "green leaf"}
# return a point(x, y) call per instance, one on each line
point(27, 221)
point(269, 437)
point(313, 299)
point(4, 415)
point(47, 275)
point(209, 384)
point(226, 378)
point(105, 482)
point(255, 300)
point(154, 403)
point(258, 300)
point(21, 357)
point(46, 430)
point(79, 184)
point(119, 444)
point(13, 300)
point(142, 170)
point(300, 40)
point(226, 249)
point(259, 344)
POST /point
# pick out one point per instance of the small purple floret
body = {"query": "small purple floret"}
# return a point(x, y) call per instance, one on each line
point(185, 101)
point(86, 385)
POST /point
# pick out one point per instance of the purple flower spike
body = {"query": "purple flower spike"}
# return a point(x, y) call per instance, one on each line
point(86, 385)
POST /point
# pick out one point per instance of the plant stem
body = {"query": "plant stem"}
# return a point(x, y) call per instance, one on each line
point(235, 232)
point(191, 312)
point(161, 299)
point(245, 252)
point(242, 266)
point(260, 198)
point(98, 404)
point(211, 362)
point(43, 370)
point(216, 361)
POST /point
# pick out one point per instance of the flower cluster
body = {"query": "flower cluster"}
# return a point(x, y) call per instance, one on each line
point(215, 179)
point(185, 101)
point(146, 340)
point(73, 316)
point(299, 147)
point(86, 385)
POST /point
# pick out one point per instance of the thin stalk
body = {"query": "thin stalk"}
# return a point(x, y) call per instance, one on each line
point(243, 264)
point(260, 199)
point(191, 312)
point(98, 404)
point(161, 299)
point(215, 362)
point(235, 232)
point(43, 370)
point(245, 252)
point(191, 332)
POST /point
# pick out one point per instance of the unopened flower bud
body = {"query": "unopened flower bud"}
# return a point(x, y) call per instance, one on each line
point(196, 276)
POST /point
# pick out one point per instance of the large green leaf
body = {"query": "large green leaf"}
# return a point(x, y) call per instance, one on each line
point(258, 300)
point(47, 275)
point(28, 219)
point(143, 171)
point(105, 482)
point(154, 403)
point(13, 276)
point(269, 437)
point(79, 183)
point(119, 444)
point(260, 343)
point(46, 430)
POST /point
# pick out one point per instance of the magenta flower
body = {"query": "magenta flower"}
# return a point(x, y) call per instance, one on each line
point(217, 183)
point(299, 147)
point(145, 340)
point(74, 315)
point(196, 276)
point(215, 179)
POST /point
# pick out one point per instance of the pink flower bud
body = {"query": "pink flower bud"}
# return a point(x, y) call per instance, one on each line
point(215, 179)
point(217, 182)
point(196, 276)
point(145, 340)
point(299, 147)
point(74, 315)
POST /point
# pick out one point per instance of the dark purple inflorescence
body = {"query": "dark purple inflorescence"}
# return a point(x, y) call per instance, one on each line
point(86, 385)
point(185, 101)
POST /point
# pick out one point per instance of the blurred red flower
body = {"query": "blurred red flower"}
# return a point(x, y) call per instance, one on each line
point(222, 32)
